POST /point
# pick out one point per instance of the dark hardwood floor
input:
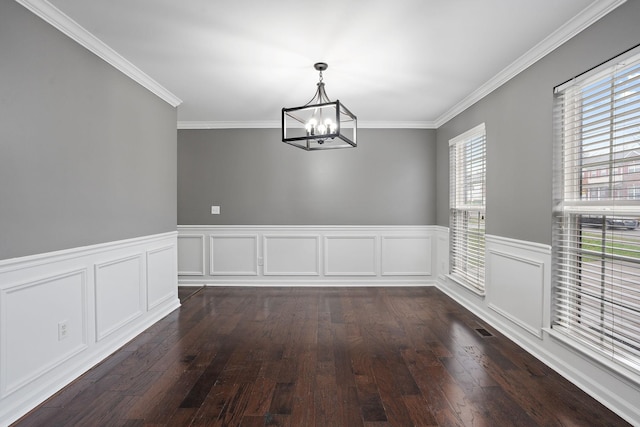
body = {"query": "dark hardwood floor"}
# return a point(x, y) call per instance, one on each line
point(320, 357)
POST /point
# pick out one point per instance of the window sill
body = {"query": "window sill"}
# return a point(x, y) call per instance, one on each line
point(466, 285)
point(625, 372)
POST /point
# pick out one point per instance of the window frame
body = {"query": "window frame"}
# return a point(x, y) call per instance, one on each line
point(467, 206)
point(592, 275)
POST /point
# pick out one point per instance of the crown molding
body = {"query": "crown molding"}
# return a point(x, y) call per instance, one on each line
point(397, 125)
point(277, 125)
point(581, 21)
point(75, 31)
point(69, 27)
point(228, 124)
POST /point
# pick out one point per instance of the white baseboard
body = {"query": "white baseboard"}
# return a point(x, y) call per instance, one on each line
point(59, 318)
point(310, 283)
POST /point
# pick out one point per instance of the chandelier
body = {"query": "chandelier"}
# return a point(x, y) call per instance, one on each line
point(320, 124)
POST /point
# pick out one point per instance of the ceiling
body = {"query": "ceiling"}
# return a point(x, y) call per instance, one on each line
point(410, 63)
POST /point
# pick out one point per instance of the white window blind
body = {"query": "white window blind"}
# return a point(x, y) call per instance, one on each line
point(596, 234)
point(467, 168)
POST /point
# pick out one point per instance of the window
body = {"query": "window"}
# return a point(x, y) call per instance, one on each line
point(467, 165)
point(596, 239)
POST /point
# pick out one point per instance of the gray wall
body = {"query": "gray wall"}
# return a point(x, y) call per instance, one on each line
point(389, 179)
point(519, 125)
point(86, 154)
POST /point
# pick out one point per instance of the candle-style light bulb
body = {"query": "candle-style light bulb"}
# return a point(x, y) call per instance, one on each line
point(311, 126)
point(331, 127)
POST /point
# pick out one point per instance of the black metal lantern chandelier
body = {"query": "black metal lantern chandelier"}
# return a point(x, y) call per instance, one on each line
point(320, 124)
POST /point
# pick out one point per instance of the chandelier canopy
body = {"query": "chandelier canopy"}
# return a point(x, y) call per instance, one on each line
point(320, 124)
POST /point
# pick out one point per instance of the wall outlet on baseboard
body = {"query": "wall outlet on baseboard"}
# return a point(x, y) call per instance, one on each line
point(215, 210)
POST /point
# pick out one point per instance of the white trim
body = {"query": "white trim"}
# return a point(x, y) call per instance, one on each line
point(479, 130)
point(366, 282)
point(584, 19)
point(397, 125)
point(464, 285)
point(30, 261)
point(407, 267)
point(93, 344)
point(203, 262)
point(265, 124)
point(518, 244)
point(229, 125)
point(273, 237)
point(130, 317)
point(359, 228)
point(602, 380)
point(623, 372)
point(6, 388)
point(328, 272)
point(254, 257)
point(163, 299)
point(577, 24)
point(582, 378)
point(75, 31)
point(389, 237)
point(80, 35)
point(600, 71)
point(535, 331)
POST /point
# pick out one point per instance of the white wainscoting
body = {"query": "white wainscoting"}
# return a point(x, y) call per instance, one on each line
point(350, 255)
point(191, 254)
point(162, 272)
point(308, 255)
point(291, 255)
point(442, 252)
point(517, 281)
point(517, 303)
point(65, 311)
point(233, 255)
point(406, 256)
point(38, 306)
point(119, 294)
point(517, 277)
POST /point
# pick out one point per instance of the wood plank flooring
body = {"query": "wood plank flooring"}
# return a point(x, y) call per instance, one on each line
point(370, 357)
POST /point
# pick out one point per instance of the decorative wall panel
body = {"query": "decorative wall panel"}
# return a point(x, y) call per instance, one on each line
point(44, 323)
point(515, 282)
point(191, 257)
point(406, 256)
point(119, 294)
point(233, 255)
point(350, 256)
point(291, 255)
point(161, 276)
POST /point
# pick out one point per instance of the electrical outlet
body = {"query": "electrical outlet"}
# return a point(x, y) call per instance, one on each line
point(215, 210)
point(63, 330)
